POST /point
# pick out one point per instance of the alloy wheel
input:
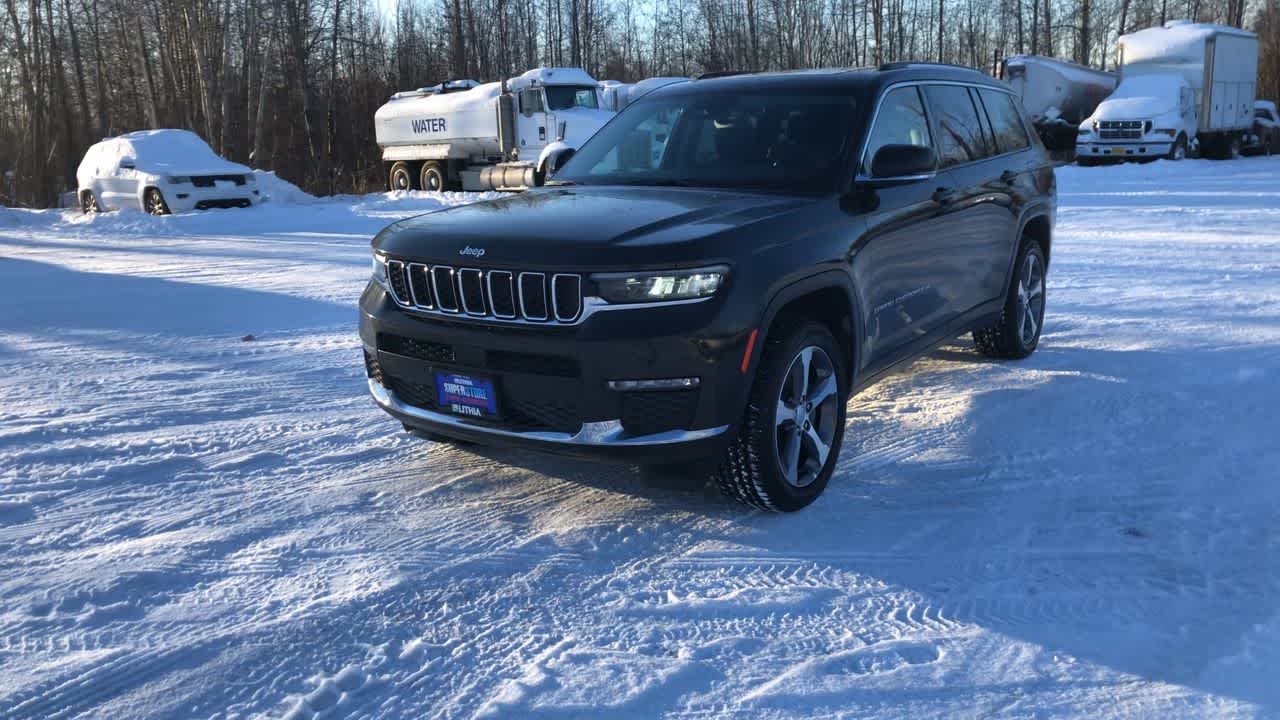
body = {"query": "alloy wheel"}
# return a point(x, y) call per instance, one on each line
point(1030, 299)
point(806, 416)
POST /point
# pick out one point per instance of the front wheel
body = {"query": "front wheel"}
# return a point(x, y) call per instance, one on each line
point(1017, 333)
point(89, 203)
point(153, 203)
point(793, 427)
point(1179, 149)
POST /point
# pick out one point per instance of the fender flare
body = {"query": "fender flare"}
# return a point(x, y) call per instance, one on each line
point(824, 280)
point(1035, 211)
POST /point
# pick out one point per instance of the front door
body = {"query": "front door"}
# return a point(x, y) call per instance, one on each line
point(899, 262)
point(533, 129)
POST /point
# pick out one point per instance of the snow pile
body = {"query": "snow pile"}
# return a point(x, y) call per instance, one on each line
point(278, 190)
point(1179, 41)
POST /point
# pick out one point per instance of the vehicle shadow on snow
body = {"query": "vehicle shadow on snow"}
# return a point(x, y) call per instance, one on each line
point(41, 297)
point(1112, 506)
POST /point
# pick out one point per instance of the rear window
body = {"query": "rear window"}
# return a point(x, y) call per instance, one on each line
point(1006, 122)
point(960, 138)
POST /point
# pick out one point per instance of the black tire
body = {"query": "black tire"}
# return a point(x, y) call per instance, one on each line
point(1178, 151)
point(1008, 338)
point(89, 203)
point(401, 177)
point(1232, 148)
point(433, 177)
point(153, 202)
point(751, 470)
point(1086, 161)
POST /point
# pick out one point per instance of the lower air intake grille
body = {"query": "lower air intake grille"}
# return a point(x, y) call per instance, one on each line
point(646, 413)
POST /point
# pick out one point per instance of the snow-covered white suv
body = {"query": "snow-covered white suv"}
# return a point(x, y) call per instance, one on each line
point(161, 171)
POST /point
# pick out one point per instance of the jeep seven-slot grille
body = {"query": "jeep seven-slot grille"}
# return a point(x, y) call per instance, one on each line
point(1120, 129)
point(483, 293)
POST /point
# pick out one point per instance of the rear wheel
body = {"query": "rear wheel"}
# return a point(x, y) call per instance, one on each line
point(153, 202)
point(1017, 333)
point(433, 176)
point(401, 177)
point(793, 426)
point(1233, 148)
point(89, 202)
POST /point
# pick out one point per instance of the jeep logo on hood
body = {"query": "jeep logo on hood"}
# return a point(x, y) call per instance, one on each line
point(473, 252)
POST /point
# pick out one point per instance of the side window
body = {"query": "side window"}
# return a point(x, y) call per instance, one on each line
point(531, 101)
point(1006, 121)
point(960, 135)
point(901, 121)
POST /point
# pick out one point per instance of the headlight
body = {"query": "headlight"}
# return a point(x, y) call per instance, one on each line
point(1083, 131)
point(178, 179)
point(251, 178)
point(380, 272)
point(660, 286)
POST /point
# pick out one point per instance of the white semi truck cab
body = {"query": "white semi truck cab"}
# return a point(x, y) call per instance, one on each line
point(494, 136)
point(1184, 87)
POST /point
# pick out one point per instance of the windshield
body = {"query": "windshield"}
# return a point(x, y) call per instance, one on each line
point(788, 142)
point(563, 97)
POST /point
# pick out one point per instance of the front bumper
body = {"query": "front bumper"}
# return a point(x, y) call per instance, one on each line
point(187, 197)
point(1118, 150)
point(552, 381)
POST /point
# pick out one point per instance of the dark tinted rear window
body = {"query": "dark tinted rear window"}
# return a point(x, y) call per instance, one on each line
point(960, 138)
point(1006, 122)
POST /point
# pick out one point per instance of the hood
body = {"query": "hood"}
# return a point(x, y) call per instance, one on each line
point(588, 228)
point(1142, 97)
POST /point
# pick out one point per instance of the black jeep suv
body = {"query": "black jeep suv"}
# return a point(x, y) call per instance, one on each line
point(716, 272)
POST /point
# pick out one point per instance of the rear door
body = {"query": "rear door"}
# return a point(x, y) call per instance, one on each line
point(979, 207)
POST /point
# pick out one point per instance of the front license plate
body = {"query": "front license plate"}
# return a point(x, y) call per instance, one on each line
point(466, 395)
point(224, 184)
point(1117, 151)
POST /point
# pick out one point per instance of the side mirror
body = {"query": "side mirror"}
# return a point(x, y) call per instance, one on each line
point(557, 159)
point(127, 163)
point(903, 163)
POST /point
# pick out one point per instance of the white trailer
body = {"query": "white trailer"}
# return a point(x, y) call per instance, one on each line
point(1056, 94)
point(1184, 86)
point(492, 136)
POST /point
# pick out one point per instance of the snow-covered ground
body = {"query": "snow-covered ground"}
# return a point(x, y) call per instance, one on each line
point(196, 525)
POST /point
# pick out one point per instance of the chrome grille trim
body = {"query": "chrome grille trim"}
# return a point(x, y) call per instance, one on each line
point(509, 279)
point(555, 296)
point(396, 268)
point(546, 304)
point(412, 268)
point(462, 274)
point(494, 295)
point(450, 282)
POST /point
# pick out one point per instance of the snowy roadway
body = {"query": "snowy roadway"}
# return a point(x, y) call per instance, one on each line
point(192, 525)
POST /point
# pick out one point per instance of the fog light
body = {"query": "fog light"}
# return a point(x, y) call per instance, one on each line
point(683, 383)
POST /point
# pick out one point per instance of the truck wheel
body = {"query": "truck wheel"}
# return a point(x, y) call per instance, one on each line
point(401, 177)
point(1233, 148)
point(433, 177)
point(89, 203)
point(792, 429)
point(153, 202)
point(1017, 333)
point(1179, 149)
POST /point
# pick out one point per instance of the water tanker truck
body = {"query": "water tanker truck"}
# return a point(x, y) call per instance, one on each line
point(466, 135)
point(1058, 95)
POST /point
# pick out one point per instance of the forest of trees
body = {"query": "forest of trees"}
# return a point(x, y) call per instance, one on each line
point(292, 85)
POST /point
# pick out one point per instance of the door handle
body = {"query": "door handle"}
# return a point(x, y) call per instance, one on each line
point(1008, 176)
point(943, 195)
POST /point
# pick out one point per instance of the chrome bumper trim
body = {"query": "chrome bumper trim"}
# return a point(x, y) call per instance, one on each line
point(608, 433)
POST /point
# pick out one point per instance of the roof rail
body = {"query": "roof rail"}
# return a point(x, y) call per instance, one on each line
point(722, 73)
point(904, 64)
